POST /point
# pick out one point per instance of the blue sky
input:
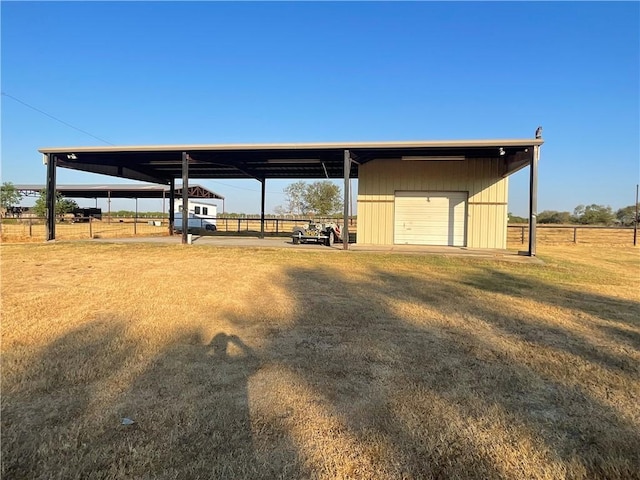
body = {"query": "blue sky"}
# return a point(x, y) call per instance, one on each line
point(137, 73)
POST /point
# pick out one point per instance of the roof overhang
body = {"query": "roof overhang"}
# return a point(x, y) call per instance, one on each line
point(162, 163)
point(121, 191)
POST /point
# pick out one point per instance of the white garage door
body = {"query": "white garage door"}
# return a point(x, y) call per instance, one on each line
point(430, 218)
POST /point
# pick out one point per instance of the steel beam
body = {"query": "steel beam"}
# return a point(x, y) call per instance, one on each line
point(533, 200)
point(263, 182)
point(345, 226)
point(51, 197)
point(172, 204)
point(185, 196)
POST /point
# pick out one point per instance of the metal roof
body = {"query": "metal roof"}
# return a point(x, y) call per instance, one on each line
point(121, 191)
point(161, 163)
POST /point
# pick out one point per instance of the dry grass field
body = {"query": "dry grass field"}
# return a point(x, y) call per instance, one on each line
point(21, 231)
point(36, 232)
point(24, 230)
point(240, 363)
point(566, 234)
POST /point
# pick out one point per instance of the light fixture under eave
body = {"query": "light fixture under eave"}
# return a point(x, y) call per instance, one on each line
point(434, 158)
point(293, 160)
point(72, 156)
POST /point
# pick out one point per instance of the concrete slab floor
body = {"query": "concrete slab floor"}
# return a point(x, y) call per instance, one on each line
point(284, 242)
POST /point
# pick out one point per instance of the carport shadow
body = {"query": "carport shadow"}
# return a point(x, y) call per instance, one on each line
point(422, 395)
point(46, 422)
point(61, 413)
point(194, 399)
point(613, 309)
point(530, 329)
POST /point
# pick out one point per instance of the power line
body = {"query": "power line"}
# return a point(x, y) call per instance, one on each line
point(4, 94)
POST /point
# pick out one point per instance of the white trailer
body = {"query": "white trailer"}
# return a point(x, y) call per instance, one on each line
point(201, 215)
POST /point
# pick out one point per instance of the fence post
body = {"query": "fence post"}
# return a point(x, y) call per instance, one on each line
point(277, 229)
point(90, 226)
point(30, 229)
point(238, 224)
point(575, 234)
point(522, 236)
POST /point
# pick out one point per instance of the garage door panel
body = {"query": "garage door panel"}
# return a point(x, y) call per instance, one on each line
point(430, 218)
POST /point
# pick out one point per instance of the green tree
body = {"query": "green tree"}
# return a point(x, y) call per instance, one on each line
point(318, 198)
point(9, 196)
point(323, 198)
point(516, 219)
point(593, 214)
point(63, 205)
point(295, 194)
point(627, 215)
point(552, 216)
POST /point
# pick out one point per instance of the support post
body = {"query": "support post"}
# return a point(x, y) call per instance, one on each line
point(135, 219)
point(109, 205)
point(172, 204)
point(635, 223)
point(350, 203)
point(263, 182)
point(185, 196)
point(533, 199)
point(51, 197)
point(345, 226)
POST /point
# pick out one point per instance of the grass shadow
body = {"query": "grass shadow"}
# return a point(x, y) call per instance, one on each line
point(51, 393)
point(422, 388)
point(613, 309)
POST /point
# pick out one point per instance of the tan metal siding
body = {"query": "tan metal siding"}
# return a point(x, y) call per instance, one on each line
point(487, 208)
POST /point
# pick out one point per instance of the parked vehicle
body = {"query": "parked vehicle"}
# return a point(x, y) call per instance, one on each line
point(194, 223)
point(84, 214)
point(325, 233)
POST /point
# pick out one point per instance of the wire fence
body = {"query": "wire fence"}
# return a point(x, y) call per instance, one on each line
point(568, 234)
point(33, 229)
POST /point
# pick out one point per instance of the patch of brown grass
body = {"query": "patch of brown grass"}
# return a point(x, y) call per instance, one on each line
point(570, 234)
point(241, 363)
point(22, 232)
